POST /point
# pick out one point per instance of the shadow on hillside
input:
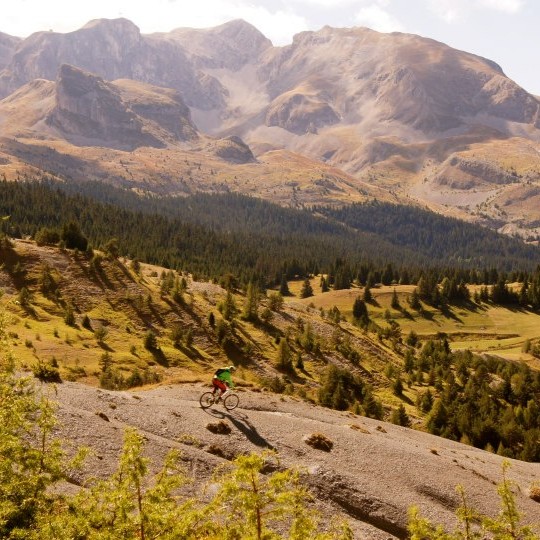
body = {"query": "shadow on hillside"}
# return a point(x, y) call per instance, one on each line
point(159, 357)
point(449, 314)
point(242, 423)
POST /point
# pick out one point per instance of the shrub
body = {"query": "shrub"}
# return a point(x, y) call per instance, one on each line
point(319, 441)
point(150, 341)
point(220, 428)
point(534, 492)
point(46, 372)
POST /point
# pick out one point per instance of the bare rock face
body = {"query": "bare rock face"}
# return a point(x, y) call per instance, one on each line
point(8, 44)
point(396, 77)
point(233, 150)
point(112, 49)
point(300, 113)
point(162, 106)
point(87, 107)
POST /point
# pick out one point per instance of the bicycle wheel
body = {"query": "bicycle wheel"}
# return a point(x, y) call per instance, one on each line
point(207, 400)
point(231, 402)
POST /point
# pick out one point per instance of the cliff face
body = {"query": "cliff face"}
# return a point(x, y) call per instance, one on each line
point(90, 108)
point(112, 49)
point(8, 44)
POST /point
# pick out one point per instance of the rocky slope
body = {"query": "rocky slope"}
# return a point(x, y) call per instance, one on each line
point(400, 113)
point(373, 474)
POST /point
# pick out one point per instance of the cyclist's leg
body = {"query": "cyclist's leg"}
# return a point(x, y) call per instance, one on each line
point(227, 391)
point(219, 385)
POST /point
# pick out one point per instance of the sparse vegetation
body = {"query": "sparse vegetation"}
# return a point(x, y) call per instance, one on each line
point(474, 525)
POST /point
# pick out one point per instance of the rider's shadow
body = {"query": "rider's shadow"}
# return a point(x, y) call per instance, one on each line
point(242, 423)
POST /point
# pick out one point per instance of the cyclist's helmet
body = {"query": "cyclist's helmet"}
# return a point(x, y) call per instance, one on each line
point(231, 368)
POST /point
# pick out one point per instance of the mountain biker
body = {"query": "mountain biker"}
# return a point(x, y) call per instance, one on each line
point(222, 380)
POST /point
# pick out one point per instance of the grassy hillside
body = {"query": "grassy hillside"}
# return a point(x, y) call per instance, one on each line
point(108, 322)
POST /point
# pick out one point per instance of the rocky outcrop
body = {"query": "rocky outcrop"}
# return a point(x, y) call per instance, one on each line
point(162, 106)
point(232, 149)
point(89, 110)
point(467, 173)
point(300, 113)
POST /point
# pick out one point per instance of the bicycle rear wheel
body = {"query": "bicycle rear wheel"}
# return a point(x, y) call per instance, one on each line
point(231, 402)
point(207, 400)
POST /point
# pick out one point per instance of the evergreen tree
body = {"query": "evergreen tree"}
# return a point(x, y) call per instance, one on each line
point(324, 285)
point(414, 300)
point(73, 237)
point(395, 301)
point(284, 286)
point(284, 356)
point(400, 417)
point(367, 297)
point(228, 307)
point(307, 290)
point(360, 312)
point(251, 303)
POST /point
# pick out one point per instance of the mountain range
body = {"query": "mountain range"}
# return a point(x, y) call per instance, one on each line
point(339, 115)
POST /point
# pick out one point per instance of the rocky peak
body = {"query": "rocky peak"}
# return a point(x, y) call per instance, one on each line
point(230, 45)
point(121, 31)
point(418, 82)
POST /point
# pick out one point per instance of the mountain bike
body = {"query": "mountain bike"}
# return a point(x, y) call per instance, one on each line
point(208, 399)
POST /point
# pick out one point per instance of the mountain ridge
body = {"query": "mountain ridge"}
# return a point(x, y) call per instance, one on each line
point(399, 116)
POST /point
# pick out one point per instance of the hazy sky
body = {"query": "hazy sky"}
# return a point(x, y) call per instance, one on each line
point(506, 31)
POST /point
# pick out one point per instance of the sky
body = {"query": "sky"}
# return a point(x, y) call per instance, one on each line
point(506, 31)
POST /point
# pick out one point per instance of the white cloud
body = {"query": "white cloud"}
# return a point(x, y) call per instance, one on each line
point(326, 3)
point(377, 18)
point(279, 26)
point(455, 10)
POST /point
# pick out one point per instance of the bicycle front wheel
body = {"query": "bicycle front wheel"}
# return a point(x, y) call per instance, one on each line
point(231, 402)
point(207, 400)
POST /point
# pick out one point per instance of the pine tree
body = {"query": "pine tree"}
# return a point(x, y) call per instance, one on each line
point(284, 356)
point(251, 303)
point(414, 300)
point(228, 307)
point(395, 301)
point(399, 417)
point(368, 297)
point(359, 311)
point(307, 290)
point(284, 286)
